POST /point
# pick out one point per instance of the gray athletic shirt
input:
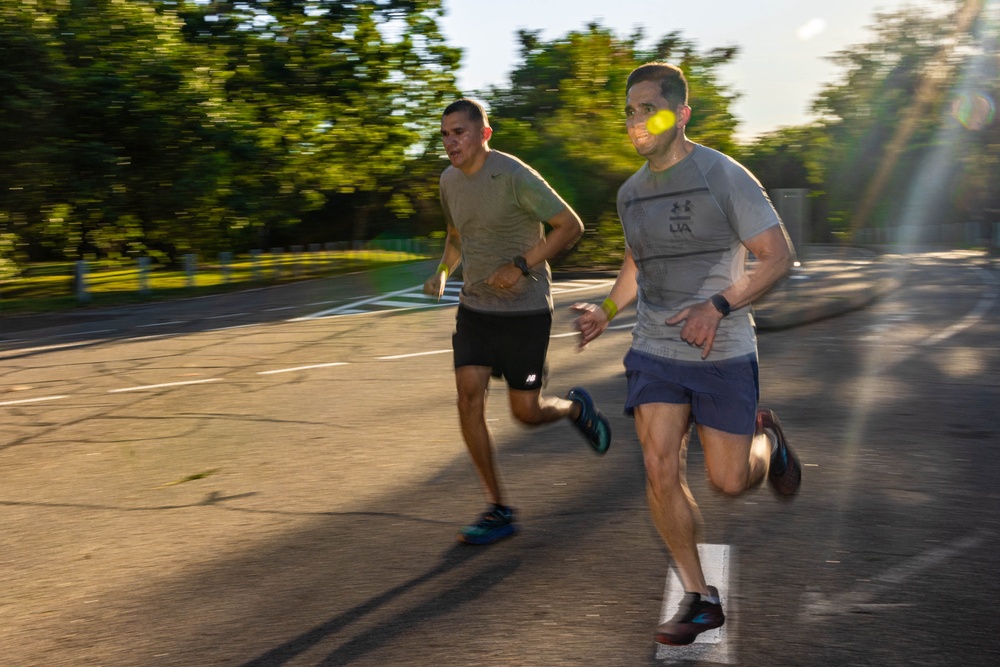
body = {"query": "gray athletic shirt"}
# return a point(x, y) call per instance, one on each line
point(684, 226)
point(499, 212)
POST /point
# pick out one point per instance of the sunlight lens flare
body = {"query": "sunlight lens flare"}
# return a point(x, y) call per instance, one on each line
point(975, 111)
point(661, 121)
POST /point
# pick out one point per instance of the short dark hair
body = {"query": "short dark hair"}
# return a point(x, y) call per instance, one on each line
point(473, 109)
point(673, 84)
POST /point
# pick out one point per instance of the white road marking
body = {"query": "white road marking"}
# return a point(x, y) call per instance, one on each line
point(414, 354)
point(973, 317)
point(33, 400)
point(160, 386)
point(84, 333)
point(302, 368)
point(220, 317)
point(160, 324)
point(859, 598)
point(43, 348)
point(393, 300)
point(710, 646)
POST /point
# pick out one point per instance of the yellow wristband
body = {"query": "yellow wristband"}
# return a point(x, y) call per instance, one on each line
point(610, 308)
point(443, 267)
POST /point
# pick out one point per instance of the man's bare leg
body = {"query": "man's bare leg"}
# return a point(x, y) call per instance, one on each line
point(663, 430)
point(472, 383)
point(734, 462)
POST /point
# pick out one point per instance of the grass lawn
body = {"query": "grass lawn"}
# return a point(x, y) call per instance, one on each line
point(52, 286)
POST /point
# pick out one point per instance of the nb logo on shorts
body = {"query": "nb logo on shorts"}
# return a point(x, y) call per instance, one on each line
point(531, 378)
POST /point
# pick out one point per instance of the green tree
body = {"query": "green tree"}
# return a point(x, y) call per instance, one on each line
point(563, 114)
point(338, 104)
point(888, 121)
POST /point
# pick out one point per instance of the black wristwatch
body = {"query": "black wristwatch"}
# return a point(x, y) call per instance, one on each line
point(721, 303)
point(521, 263)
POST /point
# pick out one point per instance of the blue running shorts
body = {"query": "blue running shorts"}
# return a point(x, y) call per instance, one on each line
point(723, 395)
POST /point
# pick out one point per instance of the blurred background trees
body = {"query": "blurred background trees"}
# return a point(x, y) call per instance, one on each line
point(157, 128)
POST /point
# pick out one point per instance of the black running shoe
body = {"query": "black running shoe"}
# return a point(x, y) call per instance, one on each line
point(784, 472)
point(591, 422)
point(694, 617)
point(494, 525)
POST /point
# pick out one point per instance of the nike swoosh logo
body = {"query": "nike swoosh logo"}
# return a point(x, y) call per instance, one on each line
point(496, 175)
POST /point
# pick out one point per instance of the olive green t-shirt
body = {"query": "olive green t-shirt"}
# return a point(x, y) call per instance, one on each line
point(499, 212)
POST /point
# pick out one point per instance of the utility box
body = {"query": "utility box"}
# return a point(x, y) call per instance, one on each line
point(792, 205)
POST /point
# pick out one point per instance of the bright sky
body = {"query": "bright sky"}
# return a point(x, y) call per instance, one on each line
point(784, 43)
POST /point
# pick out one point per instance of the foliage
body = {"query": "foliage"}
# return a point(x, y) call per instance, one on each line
point(563, 114)
point(917, 71)
point(156, 127)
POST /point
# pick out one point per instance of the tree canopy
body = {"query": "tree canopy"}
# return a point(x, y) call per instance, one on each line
point(156, 127)
point(131, 127)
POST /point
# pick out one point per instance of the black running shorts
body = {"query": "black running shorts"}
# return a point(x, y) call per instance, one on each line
point(514, 346)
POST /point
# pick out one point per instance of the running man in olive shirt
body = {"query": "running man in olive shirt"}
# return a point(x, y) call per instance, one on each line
point(495, 207)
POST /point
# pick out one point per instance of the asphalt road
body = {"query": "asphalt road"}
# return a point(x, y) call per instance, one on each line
point(212, 484)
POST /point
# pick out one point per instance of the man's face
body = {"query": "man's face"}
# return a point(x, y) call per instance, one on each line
point(464, 140)
point(650, 120)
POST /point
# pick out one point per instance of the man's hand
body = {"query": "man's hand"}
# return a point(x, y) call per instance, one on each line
point(505, 277)
point(701, 321)
point(435, 284)
point(591, 322)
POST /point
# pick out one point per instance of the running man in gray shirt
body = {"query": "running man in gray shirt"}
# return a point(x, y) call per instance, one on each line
point(690, 215)
point(495, 207)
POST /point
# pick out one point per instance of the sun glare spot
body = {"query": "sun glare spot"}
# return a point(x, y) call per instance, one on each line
point(961, 362)
point(975, 111)
point(811, 29)
point(661, 121)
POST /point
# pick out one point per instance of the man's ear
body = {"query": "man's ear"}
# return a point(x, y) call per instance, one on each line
point(487, 133)
point(683, 115)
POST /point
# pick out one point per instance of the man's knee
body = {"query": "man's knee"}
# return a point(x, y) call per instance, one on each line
point(663, 472)
point(730, 482)
point(527, 412)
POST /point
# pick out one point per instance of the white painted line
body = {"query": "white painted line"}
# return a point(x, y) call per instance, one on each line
point(160, 386)
point(43, 348)
point(85, 333)
point(235, 326)
point(415, 354)
point(573, 287)
point(220, 317)
point(565, 335)
point(274, 310)
point(630, 325)
point(147, 337)
point(398, 304)
point(302, 368)
point(161, 324)
point(977, 313)
point(859, 599)
point(712, 646)
point(33, 400)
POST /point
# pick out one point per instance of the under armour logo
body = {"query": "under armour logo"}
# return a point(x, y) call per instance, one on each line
point(686, 207)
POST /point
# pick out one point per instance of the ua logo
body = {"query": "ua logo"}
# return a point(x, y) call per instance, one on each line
point(678, 208)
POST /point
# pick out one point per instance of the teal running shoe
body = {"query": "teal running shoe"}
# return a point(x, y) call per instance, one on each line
point(591, 422)
point(494, 525)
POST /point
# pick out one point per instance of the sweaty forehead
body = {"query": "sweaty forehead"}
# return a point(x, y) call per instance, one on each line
point(645, 92)
point(457, 119)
